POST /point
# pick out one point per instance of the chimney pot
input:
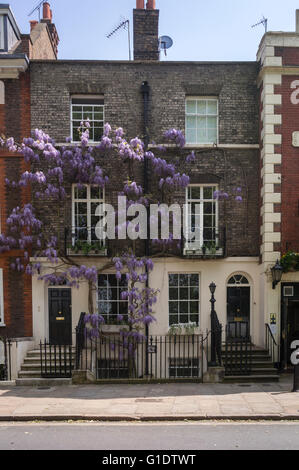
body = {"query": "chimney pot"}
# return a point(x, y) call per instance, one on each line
point(140, 4)
point(33, 23)
point(151, 4)
point(47, 11)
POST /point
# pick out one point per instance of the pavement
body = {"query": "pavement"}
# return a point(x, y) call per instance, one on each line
point(150, 402)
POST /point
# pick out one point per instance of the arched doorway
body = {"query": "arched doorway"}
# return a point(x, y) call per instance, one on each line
point(238, 306)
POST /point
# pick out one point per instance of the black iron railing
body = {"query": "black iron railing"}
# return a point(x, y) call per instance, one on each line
point(80, 338)
point(56, 360)
point(5, 364)
point(167, 357)
point(83, 241)
point(238, 354)
point(271, 344)
point(211, 246)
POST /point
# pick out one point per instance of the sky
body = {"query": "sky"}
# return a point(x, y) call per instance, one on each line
point(214, 30)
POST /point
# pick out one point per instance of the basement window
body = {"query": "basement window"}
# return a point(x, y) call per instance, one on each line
point(85, 108)
point(184, 367)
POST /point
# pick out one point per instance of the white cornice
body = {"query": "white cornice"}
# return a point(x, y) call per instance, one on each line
point(11, 68)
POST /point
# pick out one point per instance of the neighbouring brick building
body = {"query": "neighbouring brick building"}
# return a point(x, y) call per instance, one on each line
point(278, 82)
point(16, 50)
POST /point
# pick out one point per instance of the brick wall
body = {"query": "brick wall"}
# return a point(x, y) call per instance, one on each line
point(14, 121)
point(52, 85)
point(290, 164)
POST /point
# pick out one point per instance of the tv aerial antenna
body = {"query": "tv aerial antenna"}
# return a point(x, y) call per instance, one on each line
point(37, 7)
point(264, 22)
point(123, 24)
point(165, 42)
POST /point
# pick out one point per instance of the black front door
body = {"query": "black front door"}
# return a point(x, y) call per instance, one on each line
point(238, 311)
point(60, 316)
point(290, 329)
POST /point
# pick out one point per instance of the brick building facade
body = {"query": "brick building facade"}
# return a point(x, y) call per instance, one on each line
point(228, 161)
point(15, 120)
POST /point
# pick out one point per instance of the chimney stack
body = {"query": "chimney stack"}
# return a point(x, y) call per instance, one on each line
point(47, 13)
point(151, 4)
point(146, 31)
point(33, 23)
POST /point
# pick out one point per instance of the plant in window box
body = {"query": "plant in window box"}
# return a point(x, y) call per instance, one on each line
point(290, 261)
point(175, 329)
point(190, 328)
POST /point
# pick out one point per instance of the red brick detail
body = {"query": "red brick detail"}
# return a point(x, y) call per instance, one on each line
point(277, 207)
point(15, 121)
point(277, 168)
point(290, 157)
point(276, 246)
point(277, 227)
point(290, 55)
point(277, 188)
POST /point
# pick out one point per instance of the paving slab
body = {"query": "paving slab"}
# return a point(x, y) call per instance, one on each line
point(149, 402)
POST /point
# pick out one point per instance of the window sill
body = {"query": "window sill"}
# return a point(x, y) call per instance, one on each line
point(113, 328)
point(198, 252)
point(101, 253)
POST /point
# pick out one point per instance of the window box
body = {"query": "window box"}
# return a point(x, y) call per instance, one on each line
point(113, 328)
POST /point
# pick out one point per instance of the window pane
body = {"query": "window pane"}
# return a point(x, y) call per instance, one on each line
point(194, 293)
point(191, 106)
point(184, 293)
point(191, 122)
point(95, 192)
point(201, 107)
point(195, 192)
point(183, 307)
point(212, 122)
point(201, 123)
point(173, 293)
point(193, 307)
point(212, 135)
point(212, 107)
point(173, 279)
point(191, 136)
point(202, 136)
point(173, 307)
point(194, 280)
point(184, 319)
point(208, 192)
point(98, 132)
point(183, 279)
point(173, 319)
point(81, 193)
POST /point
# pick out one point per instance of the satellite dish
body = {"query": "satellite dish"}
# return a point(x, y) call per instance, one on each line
point(165, 42)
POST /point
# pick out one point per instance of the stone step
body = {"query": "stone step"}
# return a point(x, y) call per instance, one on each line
point(30, 373)
point(250, 378)
point(36, 366)
point(255, 357)
point(38, 381)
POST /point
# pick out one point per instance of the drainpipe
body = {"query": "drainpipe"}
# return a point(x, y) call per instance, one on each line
point(145, 90)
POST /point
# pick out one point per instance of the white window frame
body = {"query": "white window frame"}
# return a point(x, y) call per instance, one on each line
point(87, 97)
point(185, 300)
point(114, 301)
point(202, 98)
point(88, 201)
point(198, 244)
point(1, 299)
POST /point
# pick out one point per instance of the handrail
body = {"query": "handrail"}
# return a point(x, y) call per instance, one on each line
point(79, 338)
point(269, 338)
point(268, 328)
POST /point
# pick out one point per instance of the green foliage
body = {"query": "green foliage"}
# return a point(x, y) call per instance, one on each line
point(290, 261)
